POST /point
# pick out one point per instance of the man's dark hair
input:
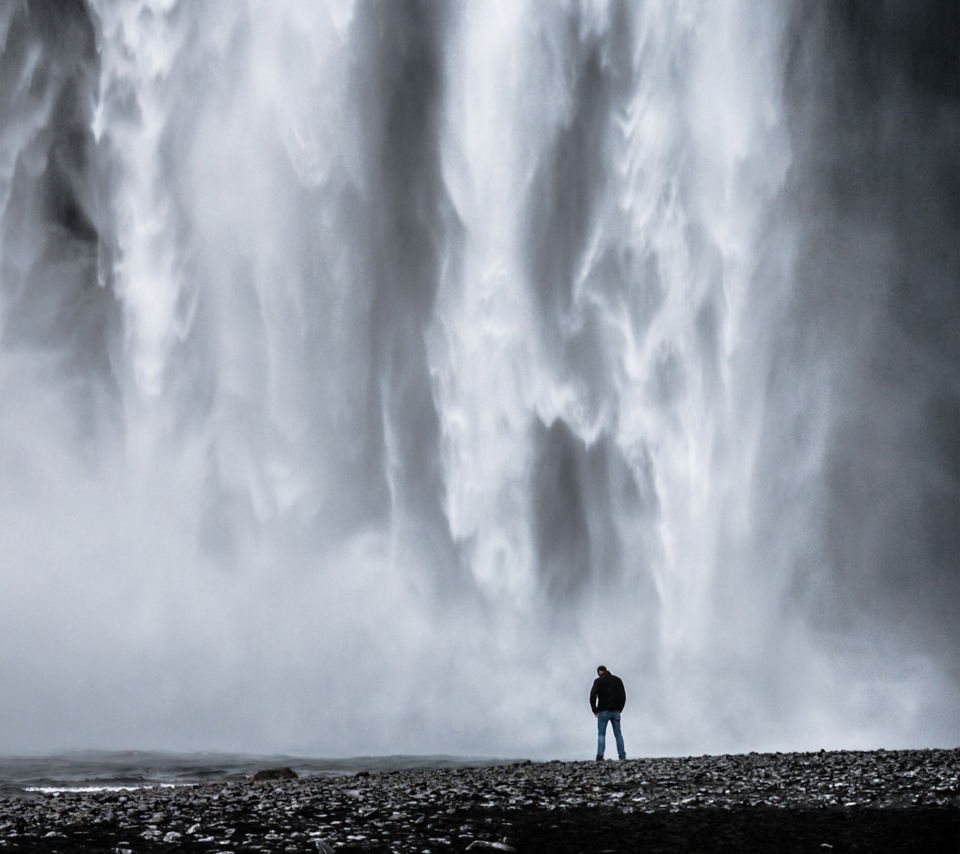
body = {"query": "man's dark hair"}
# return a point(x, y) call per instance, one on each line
point(601, 669)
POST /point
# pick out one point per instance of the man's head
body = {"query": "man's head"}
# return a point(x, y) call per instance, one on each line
point(601, 670)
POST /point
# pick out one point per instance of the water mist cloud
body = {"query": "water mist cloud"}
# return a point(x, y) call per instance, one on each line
point(447, 350)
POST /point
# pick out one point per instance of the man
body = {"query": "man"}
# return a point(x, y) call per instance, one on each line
point(607, 699)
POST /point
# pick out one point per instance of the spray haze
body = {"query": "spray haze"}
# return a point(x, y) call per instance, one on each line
point(369, 371)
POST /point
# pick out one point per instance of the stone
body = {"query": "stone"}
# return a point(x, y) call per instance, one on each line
point(452, 808)
point(275, 774)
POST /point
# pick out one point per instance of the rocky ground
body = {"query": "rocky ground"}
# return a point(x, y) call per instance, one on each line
point(818, 802)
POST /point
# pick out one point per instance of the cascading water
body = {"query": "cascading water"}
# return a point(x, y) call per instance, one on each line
point(369, 372)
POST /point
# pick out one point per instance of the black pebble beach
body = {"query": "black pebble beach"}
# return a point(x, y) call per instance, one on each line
point(799, 802)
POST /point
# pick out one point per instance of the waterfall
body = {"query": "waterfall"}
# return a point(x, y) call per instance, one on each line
point(371, 371)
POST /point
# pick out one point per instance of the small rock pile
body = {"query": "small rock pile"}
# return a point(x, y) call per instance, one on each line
point(478, 809)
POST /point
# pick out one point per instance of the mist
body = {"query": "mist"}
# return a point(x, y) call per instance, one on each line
point(371, 371)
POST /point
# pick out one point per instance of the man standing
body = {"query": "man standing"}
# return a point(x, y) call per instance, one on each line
point(607, 699)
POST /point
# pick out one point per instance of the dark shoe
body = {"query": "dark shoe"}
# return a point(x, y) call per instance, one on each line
point(599, 759)
point(623, 757)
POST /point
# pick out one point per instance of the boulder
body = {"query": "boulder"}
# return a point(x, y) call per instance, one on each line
point(274, 774)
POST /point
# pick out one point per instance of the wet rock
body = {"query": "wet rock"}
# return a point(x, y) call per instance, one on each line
point(557, 806)
point(274, 774)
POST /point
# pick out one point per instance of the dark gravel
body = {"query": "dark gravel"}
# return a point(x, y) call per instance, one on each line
point(818, 802)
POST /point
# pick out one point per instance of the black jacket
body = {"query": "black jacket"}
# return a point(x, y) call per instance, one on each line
point(607, 694)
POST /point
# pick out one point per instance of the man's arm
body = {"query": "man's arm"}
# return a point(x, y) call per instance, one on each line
point(593, 698)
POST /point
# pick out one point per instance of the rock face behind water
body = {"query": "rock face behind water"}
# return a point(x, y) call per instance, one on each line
point(825, 802)
point(274, 774)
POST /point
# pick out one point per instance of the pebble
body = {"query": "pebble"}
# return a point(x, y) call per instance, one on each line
point(465, 809)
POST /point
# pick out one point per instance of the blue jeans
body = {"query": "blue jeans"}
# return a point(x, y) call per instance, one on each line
point(614, 718)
